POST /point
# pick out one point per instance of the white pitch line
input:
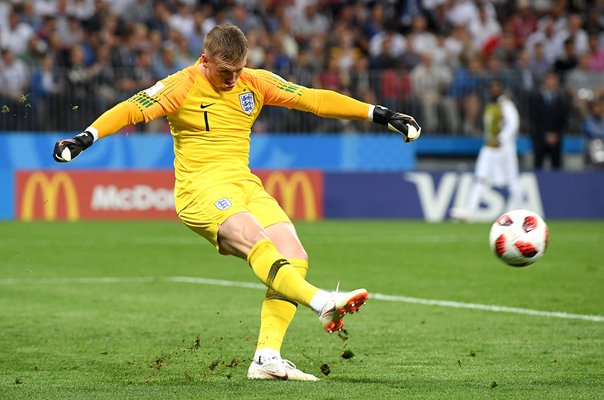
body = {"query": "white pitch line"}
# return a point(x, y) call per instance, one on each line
point(251, 285)
point(486, 307)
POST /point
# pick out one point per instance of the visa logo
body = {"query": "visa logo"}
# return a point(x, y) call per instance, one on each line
point(453, 190)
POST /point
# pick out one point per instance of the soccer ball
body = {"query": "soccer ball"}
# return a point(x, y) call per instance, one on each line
point(519, 237)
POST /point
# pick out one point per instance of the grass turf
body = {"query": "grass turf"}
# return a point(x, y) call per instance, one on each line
point(163, 339)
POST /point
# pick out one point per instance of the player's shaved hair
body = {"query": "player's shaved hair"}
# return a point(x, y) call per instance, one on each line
point(226, 42)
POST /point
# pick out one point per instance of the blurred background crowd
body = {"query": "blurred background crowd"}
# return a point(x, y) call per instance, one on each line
point(66, 61)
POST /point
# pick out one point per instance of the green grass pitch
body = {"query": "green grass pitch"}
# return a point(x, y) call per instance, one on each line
point(63, 336)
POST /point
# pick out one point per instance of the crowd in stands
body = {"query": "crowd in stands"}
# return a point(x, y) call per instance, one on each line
point(66, 61)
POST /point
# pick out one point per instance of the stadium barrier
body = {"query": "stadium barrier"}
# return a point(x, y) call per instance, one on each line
point(313, 177)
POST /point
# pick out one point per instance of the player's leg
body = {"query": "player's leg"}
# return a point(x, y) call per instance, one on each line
point(283, 234)
point(277, 310)
point(243, 236)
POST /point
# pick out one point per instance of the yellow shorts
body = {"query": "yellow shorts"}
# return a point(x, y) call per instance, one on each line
point(217, 203)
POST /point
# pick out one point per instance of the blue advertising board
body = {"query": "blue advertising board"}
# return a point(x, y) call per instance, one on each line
point(154, 151)
point(365, 176)
point(431, 195)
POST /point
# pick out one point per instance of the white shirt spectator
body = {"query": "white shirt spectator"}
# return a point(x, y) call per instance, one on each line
point(183, 21)
point(43, 8)
point(14, 76)
point(483, 29)
point(15, 35)
point(462, 12)
point(573, 29)
point(81, 9)
point(398, 44)
point(310, 23)
point(547, 37)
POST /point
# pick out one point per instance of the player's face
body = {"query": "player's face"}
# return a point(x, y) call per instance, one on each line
point(222, 75)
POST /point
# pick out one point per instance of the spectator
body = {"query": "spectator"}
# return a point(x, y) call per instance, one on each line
point(160, 20)
point(183, 20)
point(14, 87)
point(45, 94)
point(523, 84)
point(485, 30)
point(81, 82)
point(80, 9)
point(437, 16)
point(45, 8)
point(106, 78)
point(567, 60)
point(539, 63)
point(593, 132)
point(395, 88)
point(596, 53)
point(69, 32)
point(422, 39)
point(523, 23)
point(496, 70)
point(376, 22)
point(458, 42)
point(594, 22)
point(465, 88)
point(462, 12)
point(387, 46)
point(167, 63)
point(583, 84)
point(506, 50)
point(430, 82)
point(197, 35)
point(548, 112)
point(15, 35)
point(412, 55)
point(245, 20)
point(573, 31)
point(139, 11)
point(546, 37)
point(309, 23)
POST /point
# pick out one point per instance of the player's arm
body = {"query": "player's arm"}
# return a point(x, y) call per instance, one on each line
point(330, 104)
point(161, 99)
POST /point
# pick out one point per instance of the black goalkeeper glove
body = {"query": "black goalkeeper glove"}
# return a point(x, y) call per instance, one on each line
point(67, 149)
point(404, 124)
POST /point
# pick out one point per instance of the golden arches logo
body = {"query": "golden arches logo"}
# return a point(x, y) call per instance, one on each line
point(49, 189)
point(288, 187)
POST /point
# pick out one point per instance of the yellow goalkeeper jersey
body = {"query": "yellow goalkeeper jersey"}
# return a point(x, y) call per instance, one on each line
point(211, 129)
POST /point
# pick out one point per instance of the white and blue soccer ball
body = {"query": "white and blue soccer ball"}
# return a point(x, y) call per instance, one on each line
point(519, 237)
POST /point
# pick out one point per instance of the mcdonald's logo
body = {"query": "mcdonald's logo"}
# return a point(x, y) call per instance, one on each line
point(50, 186)
point(300, 193)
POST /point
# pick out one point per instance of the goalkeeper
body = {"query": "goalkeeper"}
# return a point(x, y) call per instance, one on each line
point(211, 107)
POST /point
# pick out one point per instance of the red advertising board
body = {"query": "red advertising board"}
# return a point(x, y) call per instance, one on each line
point(140, 195)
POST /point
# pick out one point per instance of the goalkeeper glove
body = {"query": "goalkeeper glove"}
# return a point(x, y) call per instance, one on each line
point(67, 149)
point(397, 122)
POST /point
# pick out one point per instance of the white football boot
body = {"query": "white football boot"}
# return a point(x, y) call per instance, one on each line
point(279, 369)
point(340, 304)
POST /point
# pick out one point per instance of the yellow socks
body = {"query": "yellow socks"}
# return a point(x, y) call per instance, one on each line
point(277, 313)
point(278, 274)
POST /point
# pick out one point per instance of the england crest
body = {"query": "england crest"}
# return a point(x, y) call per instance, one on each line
point(247, 102)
